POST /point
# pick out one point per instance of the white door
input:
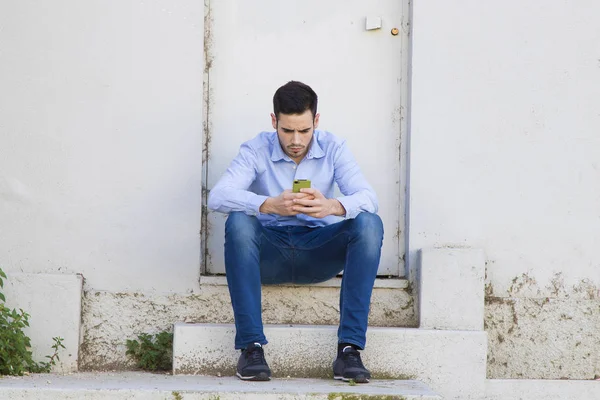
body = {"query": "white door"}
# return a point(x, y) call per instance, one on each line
point(256, 46)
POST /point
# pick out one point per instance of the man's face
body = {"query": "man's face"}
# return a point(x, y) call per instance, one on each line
point(295, 132)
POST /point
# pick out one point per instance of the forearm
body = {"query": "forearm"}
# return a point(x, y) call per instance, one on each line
point(267, 206)
point(337, 208)
point(231, 191)
point(229, 199)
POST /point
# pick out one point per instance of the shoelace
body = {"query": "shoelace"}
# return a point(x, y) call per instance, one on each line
point(352, 359)
point(255, 356)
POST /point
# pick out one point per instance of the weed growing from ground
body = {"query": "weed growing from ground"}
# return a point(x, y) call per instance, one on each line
point(152, 352)
point(15, 354)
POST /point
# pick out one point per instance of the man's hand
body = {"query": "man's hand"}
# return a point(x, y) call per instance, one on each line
point(284, 203)
point(318, 206)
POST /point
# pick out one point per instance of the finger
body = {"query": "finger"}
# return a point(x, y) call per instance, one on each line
point(314, 214)
point(308, 190)
point(306, 210)
point(313, 191)
point(308, 202)
point(292, 196)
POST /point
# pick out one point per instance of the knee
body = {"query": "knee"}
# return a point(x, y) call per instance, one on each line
point(241, 227)
point(370, 227)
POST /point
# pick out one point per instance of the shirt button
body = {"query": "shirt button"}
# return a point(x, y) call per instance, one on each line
point(293, 167)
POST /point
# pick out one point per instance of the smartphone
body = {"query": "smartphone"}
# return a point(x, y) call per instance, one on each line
point(299, 184)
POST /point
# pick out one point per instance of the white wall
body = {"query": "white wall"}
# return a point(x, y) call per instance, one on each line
point(100, 138)
point(505, 139)
point(100, 141)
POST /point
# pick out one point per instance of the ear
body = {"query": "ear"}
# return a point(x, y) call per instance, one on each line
point(316, 121)
point(274, 121)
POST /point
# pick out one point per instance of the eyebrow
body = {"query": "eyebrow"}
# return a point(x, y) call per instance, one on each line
point(292, 130)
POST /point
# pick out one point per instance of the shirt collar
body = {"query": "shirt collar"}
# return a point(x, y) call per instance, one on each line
point(315, 150)
point(277, 153)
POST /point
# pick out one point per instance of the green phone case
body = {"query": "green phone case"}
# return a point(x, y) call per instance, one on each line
point(299, 184)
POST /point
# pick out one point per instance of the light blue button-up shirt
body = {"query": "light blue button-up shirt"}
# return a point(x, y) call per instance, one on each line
point(261, 170)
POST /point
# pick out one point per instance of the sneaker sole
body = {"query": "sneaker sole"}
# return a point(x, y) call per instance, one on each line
point(263, 376)
point(357, 379)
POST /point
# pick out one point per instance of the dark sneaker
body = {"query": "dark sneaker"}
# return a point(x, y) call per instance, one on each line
point(252, 365)
point(349, 367)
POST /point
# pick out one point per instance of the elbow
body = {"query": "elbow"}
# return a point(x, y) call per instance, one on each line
point(375, 208)
point(213, 201)
point(374, 203)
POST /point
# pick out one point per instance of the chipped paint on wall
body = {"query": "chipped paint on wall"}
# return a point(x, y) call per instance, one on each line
point(543, 337)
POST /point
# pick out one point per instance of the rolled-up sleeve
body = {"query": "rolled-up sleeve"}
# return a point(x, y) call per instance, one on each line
point(231, 191)
point(358, 195)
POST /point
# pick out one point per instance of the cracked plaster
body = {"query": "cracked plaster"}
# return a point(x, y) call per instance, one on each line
point(535, 337)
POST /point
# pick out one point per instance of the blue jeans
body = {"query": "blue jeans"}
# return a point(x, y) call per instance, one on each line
point(256, 255)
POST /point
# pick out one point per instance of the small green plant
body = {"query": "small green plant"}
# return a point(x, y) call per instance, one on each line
point(46, 366)
point(152, 352)
point(15, 354)
point(177, 396)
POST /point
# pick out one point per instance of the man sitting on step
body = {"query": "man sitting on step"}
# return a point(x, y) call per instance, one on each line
point(274, 235)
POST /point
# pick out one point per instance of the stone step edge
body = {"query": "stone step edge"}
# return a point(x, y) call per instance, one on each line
point(451, 362)
point(130, 385)
point(160, 386)
point(306, 326)
point(380, 283)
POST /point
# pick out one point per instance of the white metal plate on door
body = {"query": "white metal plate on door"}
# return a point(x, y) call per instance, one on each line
point(373, 23)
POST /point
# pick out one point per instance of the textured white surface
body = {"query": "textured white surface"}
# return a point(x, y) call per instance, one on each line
point(144, 386)
point(504, 143)
point(101, 141)
point(451, 289)
point(523, 389)
point(543, 338)
point(54, 303)
point(451, 362)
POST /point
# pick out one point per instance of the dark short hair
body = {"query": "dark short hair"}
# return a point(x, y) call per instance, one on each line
point(294, 98)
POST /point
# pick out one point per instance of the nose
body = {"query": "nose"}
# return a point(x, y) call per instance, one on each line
point(296, 138)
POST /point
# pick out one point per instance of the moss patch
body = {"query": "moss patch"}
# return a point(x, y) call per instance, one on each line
point(351, 396)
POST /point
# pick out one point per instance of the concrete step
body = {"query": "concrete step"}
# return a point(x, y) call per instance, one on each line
point(453, 363)
point(145, 386)
point(110, 318)
point(392, 302)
